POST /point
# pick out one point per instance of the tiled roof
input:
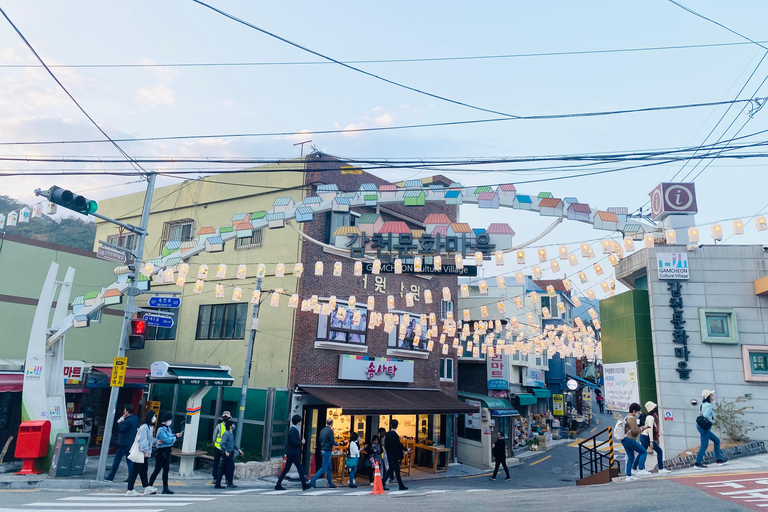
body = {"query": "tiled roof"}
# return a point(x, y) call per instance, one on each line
point(414, 184)
point(90, 295)
point(461, 227)
point(185, 246)
point(478, 231)
point(243, 226)
point(275, 216)
point(283, 201)
point(607, 216)
point(523, 199)
point(570, 199)
point(173, 244)
point(112, 292)
point(345, 230)
point(452, 194)
point(507, 187)
point(413, 193)
point(550, 202)
point(368, 187)
point(633, 228)
point(619, 210)
point(238, 217)
point(371, 197)
point(500, 228)
point(455, 184)
point(437, 186)
point(258, 215)
point(395, 227)
point(170, 262)
point(212, 240)
point(387, 188)
point(368, 218)
point(304, 210)
point(437, 218)
point(330, 187)
point(226, 229)
point(580, 208)
point(78, 301)
point(440, 230)
point(480, 190)
point(486, 196)
point(542, 195)
point(313, 200)
point(341, 200)
point(206, 231)
point(418, 233)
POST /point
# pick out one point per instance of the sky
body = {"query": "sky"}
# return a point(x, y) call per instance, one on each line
point(293, 98)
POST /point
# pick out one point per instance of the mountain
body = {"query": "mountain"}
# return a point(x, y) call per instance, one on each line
point(68, 231)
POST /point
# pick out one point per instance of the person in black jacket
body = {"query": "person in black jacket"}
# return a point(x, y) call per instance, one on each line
point(326, 440)
point(128, 424)
point(293, 448)
point(500, 455)
point(395, 452)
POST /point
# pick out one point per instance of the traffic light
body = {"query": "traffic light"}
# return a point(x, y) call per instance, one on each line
point(70, 200)
point(136, 338)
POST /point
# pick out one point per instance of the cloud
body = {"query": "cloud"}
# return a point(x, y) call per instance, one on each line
point(155, 95)
point(384, 120)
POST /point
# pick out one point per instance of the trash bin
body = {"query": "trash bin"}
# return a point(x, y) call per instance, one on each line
point(31, 444)
point(70, 453)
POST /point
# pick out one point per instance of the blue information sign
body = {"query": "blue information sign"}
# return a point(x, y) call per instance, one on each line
point(158, 321)
point(164, 302)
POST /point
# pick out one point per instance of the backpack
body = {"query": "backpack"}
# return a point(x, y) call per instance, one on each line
point(641, 419)
point(619, 431)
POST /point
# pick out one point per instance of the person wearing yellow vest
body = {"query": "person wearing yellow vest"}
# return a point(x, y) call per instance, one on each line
point(218, 433)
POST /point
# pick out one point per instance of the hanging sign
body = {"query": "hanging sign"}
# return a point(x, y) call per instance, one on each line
point(105, 253)
point(558, 405)
point(621, 386)
point(498, 372)
point(158, 321)
point(534, 378)
point(164, 302)
point(118, 372)
point(673, 198)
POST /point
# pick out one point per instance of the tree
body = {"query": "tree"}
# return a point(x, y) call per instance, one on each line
point(68, 231)
point(729, 417)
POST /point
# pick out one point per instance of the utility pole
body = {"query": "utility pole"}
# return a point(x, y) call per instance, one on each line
point(130, 309)
point(247, 370)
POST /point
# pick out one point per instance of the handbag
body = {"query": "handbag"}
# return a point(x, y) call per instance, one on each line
point(352, 462)
point(136, 455)
point(703, 422)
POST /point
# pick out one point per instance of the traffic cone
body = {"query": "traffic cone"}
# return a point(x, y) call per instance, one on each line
point(378, 487)
point(285, 458)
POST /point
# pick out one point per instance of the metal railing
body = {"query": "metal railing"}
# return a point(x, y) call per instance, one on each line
point(592, 459)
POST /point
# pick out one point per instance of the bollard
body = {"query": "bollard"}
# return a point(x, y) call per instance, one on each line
point(610, 443)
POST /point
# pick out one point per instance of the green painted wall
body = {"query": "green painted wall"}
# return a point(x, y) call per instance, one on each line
point(626, 335)
point(23, 268)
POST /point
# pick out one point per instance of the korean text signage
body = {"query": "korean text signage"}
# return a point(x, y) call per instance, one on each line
point(164, 302)
point(73, 372)
point(673, 198)
point(377, 369)
point(118, 372)
point(498, 372)
point(558, 405)
point(672, 265)
point(105, 253)
point(159, 321)
point(621, 386)
point(534, 378)
point(679, 336)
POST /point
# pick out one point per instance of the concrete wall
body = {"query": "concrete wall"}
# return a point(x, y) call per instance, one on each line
point(720, 277)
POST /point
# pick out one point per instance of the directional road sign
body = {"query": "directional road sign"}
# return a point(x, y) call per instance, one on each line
point(164, 302)
point(105, 253)
point(158, 321)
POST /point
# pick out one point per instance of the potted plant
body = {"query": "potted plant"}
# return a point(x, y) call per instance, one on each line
point(533, 444)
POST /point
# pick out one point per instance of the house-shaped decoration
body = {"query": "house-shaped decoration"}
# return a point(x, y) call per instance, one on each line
point(506, 190)
point(414, 197)
point(634, 230)
point(455, 185)
point(188, 246)
point(414, 184)
point(457, 228)
point(579, 211)
point(170, 247)
point(551, 207)
point(488, 200)
point(340, 204)
point(480, 190)
point(112, 296)
point(275, 220)
point(2, 221)
point(304, 214)
point(78, 303)
point(13, 217)
point(396, 227)
point(387, 191)
point(214, 244)
point(568, 201)
point(341, 236)
point(436, 192)
point(205, 232)
point(543, 195)
point(313, 202)
point(25, 214)
point(606, 220)
point(436, 219)
point(501, 234)
point(622, 212)
point(90, 298)
point(282, 204)
point(327, 191)
point(522, 202)
point(440, 230)
point(417, 233)
point(238, 217)
point(454, 197)
point(226, 229)
point(258, 215)
point(368, 187)
point(478, 231)
point(244, 229)
point(370, 223)
point(370, 199)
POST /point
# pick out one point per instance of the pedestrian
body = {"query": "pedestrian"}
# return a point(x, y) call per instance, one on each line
point(395, 453)
point(707, 413)
point(652, 436)
point(500, 455)
point(631, 432)
point(353, 459)
point(326, 440)
point(127, 425)
point(228, 449)
point(165, 440)
point(600, 401)
point(384, 463)
point(143, 444)
point(218, 433)
point(374, 456)
point(294, 445)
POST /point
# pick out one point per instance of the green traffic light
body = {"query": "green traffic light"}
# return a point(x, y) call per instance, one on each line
point(91, 207)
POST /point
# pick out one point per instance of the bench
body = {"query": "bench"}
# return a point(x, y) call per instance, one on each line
point(199, 455)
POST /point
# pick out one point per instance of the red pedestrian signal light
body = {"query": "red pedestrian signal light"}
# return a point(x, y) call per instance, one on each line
point(136, 337)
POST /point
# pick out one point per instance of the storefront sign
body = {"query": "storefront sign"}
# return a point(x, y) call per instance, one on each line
point(621, 386)
point(534, 378)
point(572, 384)
point(672, 265)
point(558, 405)
point(378, 369)
point(668, 415)
point(679, 335)
point(473, 420)
point(73, 372)
point(118, 372)
point(498, 371)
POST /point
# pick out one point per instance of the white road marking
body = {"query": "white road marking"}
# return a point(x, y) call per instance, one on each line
point(435, 492)
point(59, 510)
point(396, 493)
point(124, 502)
point(357, 493)
point(277, 492)
point(320, 493)
point(154, 497)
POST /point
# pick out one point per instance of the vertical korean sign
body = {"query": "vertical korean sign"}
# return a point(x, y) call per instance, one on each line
point(621, 386)
point(558, 405)
point(498, 372)
point(118, 372)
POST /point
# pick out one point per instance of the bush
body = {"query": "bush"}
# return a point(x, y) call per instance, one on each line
point(729, 417)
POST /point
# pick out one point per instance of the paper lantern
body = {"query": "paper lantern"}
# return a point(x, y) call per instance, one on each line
point(562, 252)
point(738, 227)
point(298, 270)
point(371, 304)
point(437, 263)
point(598, 269)
point(459, 260)
point(319, 268)
point(596, 323)
point(606, 245)
point(605, 286)
point(293, 302)
point(398, 266)
point(542, 254)
point(591, 295)
point(484, 311)
point(649, 241)
point(184, 269)
point(537, 273)
point(760, 223)
point(567, 284)
point(572, 259)
point(409, 300)
point(613, 260)
point(519, 277)
point(390, 302)
point(181, 280)
point(417, 264)
point(499, 258)
point(613, 283)
point(219, 291)
point(274, 300)
point(24, 214)
point(221, 271)
point(502, 307)
point(352, 301)
point(358, 269)
point(464, 291)
point(671, 236)
point(476, 352)
point(483, 286)
point(535, 298)
point(490, 351)
point(592, 313)
point(337, 269)
point(629, 244)
point(551, 290)
point(13, 218)
point(530, 319)
point(520, 257)
point(445, 349)
point(554, 265)
point(590, 253)
point(479, 259)
point(561, 307)
point(717, 231)
point(446, 294)
point(241, 271)
point(256, 297)
point(582, 277)
point(501, 283)
point(693, 234)
point(237, 294)
point(198, 288)
point(427, 296)
point(545, 313)
point(149, 267)
point(576, 301)
point(518, 302)
point(168, 274)
point(332, 302)
point(585, 247)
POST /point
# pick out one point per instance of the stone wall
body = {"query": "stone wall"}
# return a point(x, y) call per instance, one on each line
point(253, 469)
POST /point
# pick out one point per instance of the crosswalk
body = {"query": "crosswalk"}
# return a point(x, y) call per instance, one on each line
point(348, 492)
point(114, 502)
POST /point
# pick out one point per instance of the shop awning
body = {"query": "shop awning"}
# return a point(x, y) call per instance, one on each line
point(366, 400)
point(204, 377)
point(542, 393)
point(527, 399)
point(11, 382)
point(489, 402)
point(583, 381)
point(505, 412)
point(188, 373)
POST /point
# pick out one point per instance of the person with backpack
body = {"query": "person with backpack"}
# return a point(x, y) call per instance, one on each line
point(651, 422)
point(704, 425)
point(628, 430)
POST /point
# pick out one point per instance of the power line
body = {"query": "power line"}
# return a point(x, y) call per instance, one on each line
point(718, 24)
point(540, 117)
point(386, 61)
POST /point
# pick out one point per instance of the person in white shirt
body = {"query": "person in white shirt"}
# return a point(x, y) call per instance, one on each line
point(353, 459)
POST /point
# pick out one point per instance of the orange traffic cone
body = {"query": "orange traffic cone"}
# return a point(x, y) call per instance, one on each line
point(378, 487)
point(285, 458)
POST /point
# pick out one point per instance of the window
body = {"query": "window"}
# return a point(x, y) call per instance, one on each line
point(446, 369)
point(334, 221)
point(163, 333)
point(95, 316)
point(446, 306)
point(253, 241)
point(177, 230)
point(128, 241)
point(755, 361)
point(718, 326)
point(343, 331)
point(410, 331)
point(221, 322)
point(551, 304)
